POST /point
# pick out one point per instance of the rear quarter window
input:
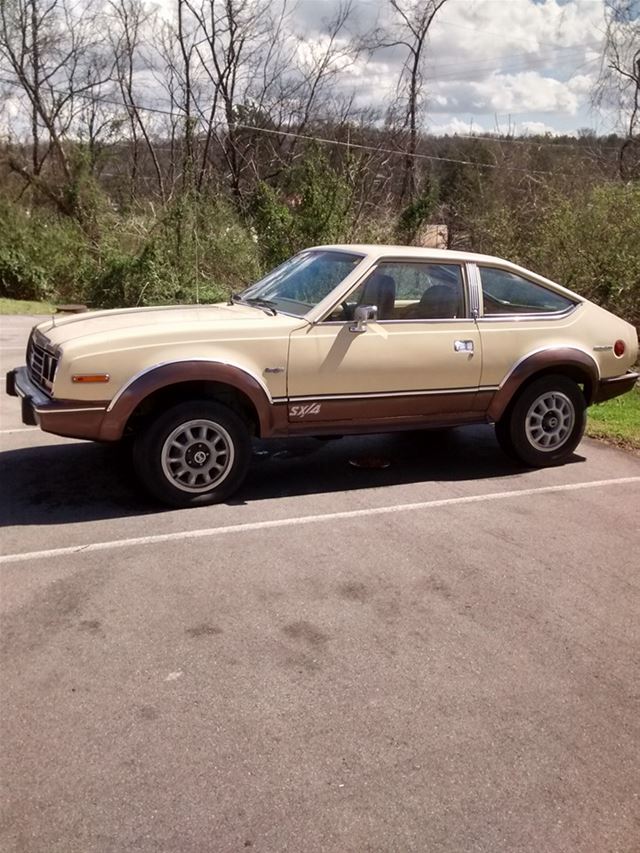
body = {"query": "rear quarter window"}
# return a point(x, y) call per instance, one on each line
point(507, 293)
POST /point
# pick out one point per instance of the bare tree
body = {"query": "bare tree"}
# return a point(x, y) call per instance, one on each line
point(130, 18)
point(186, 44)
point(52, 50)
point(263, 79)
point(410, 29)
point(618, 86)
point(233, 35)
point(321, 67)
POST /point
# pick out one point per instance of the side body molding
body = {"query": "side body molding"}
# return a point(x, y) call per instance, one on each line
point(193, 370)
point(578, 362)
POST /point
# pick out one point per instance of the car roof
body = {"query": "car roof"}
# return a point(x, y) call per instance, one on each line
point(373, 251)
point(377, 250)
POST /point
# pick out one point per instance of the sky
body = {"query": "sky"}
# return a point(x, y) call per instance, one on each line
point(499, 66)
point(492, 65)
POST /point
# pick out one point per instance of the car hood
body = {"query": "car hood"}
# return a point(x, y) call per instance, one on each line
point(160, 321)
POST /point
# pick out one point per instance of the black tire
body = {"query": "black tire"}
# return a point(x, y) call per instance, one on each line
point(545, 423)
point(176, 472)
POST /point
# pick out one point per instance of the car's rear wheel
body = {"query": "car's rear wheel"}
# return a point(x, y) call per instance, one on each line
point(195, 453)
point(545, 423)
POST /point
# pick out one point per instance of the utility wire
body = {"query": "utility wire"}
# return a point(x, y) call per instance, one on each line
point(469, 74)
point(482, 65)
point(490, 62)
point(310, 137)
point(392, 151)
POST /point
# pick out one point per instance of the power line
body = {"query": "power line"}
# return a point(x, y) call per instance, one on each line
point(392, 151)
point(510, 67)
point(441, 23)
point(89, 96)
point(160, 111)
point(314, 138)
point(568, 52)
point(498, 137)
point(489, 61)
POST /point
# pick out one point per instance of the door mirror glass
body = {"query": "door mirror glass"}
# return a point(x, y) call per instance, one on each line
point(361, 315)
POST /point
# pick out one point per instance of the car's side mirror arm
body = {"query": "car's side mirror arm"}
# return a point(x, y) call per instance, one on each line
point(361, 315)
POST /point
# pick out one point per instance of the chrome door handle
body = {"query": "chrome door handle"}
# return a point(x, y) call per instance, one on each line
point(463, 346)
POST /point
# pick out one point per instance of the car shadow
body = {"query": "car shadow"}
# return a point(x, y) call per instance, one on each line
point(77, 482)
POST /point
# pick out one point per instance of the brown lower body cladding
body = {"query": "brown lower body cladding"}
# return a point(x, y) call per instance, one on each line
point(70, 418)
point(307, 416)
point(387, 412)
point(73, 423)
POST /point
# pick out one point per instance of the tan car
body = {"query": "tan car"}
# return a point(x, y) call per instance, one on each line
point(338, 340)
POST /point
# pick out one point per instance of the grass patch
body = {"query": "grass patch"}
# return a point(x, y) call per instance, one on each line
point(617, 420)
point(23, 306)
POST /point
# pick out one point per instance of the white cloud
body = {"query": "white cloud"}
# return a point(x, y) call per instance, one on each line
point(456, 125)
point(523, 93)
point(488, 57)
point(537, 128)
point(537, 61)
point(440, 100)
point(581, 84)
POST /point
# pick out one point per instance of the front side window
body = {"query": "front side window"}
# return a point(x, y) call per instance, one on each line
point(507, 293)
point(300, 283)
point(409, 291)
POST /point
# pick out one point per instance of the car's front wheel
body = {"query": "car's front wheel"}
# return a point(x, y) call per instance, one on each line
point(545, 423)
point(195, 453)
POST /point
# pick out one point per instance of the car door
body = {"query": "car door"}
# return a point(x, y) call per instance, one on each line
point(519, 316)
point(419, 360)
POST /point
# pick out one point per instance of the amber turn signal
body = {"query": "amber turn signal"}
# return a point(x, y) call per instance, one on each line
point(619, 348)
point(90, 377)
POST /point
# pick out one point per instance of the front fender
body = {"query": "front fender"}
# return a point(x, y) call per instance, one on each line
point(152, 379)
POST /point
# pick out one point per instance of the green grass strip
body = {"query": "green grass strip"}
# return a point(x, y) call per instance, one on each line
point(617, 420)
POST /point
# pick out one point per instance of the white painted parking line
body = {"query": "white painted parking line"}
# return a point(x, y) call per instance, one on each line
point(307, 519)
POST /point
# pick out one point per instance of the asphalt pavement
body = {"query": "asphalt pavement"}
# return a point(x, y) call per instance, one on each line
point(442, 655)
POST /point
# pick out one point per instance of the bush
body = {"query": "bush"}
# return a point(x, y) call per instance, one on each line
point(20, 278)
point(314, 208)
point(41, 255)
point(588, 242)
point(197, 251)
point(418, 212)
point(592, 245)
point(197, 247)
point(274, 225)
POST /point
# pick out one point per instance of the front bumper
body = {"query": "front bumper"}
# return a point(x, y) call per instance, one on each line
point(606, 389)
point(71, 418)
point(19, 385)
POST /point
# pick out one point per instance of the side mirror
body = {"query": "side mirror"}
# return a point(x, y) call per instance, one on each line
point(361, 315)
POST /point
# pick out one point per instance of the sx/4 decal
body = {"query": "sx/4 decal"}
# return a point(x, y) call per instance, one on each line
point(303, 411)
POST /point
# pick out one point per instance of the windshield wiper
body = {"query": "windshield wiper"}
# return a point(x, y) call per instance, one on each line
point(267, 305)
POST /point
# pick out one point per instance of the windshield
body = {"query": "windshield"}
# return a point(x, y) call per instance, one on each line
point(301, 282)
